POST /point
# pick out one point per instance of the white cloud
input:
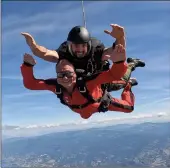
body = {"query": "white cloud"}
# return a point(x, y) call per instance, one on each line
point(11, 77)
point(154, 102)
point(78, 123)
point(9, 127)
point(45, 108)
point(52, 21)
point(158, 61)
point(149, 29)
point(47, 21)
point(159, 87)
point(42, 23)
point(13, 107)
point(34, 130)
point(155, 82)
point(21, 95)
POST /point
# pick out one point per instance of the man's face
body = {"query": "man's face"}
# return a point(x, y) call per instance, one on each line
point(80, 50)
point(66, 75)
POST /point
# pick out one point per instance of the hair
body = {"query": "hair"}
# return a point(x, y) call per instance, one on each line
point(63, 62)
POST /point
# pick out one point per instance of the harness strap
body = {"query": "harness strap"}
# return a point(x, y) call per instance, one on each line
point(105, 99)
point(83, 90)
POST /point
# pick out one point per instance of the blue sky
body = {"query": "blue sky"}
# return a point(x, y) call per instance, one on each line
point(147, 34)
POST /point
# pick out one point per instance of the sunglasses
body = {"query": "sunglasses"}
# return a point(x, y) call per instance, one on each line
point(68, 74)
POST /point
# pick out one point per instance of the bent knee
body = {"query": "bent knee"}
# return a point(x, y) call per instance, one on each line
point(85, 116)
point(130, 109)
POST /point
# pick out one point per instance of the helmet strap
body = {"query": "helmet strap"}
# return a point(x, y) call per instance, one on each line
point(70, 49)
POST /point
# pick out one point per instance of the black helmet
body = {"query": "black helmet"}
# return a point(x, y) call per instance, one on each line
point(79, 35)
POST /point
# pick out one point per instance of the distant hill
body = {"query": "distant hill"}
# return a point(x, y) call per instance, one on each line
point(140, 145)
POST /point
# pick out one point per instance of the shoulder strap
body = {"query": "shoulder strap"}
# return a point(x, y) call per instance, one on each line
point(81, 84)
point(83, 90)
point(59, 93)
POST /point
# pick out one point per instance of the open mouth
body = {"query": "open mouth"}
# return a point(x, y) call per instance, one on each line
point(80, 54)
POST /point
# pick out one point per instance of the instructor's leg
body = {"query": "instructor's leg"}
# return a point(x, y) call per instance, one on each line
point(126, 104)
point(132, 64)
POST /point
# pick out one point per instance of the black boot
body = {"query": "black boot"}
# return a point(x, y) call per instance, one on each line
point(115, 86)
point(135, 63)
point(133, 81)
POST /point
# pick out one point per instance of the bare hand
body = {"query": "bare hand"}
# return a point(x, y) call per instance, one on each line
point(117, 31)
point(29, 59)
point(29, 39)
point(118, 54)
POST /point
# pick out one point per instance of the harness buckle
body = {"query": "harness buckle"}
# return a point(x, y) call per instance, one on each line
point(58, 92)
point(80, 106)
point(82, 90)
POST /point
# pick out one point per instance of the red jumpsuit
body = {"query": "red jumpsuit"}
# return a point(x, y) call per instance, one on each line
point(94, 87)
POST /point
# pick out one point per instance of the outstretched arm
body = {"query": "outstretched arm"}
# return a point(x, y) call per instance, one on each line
point(119, 34)
point(117, 70)
point(40, 51)
point(30, 82)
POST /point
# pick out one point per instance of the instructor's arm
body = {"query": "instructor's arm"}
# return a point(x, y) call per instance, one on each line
point(40, 51)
